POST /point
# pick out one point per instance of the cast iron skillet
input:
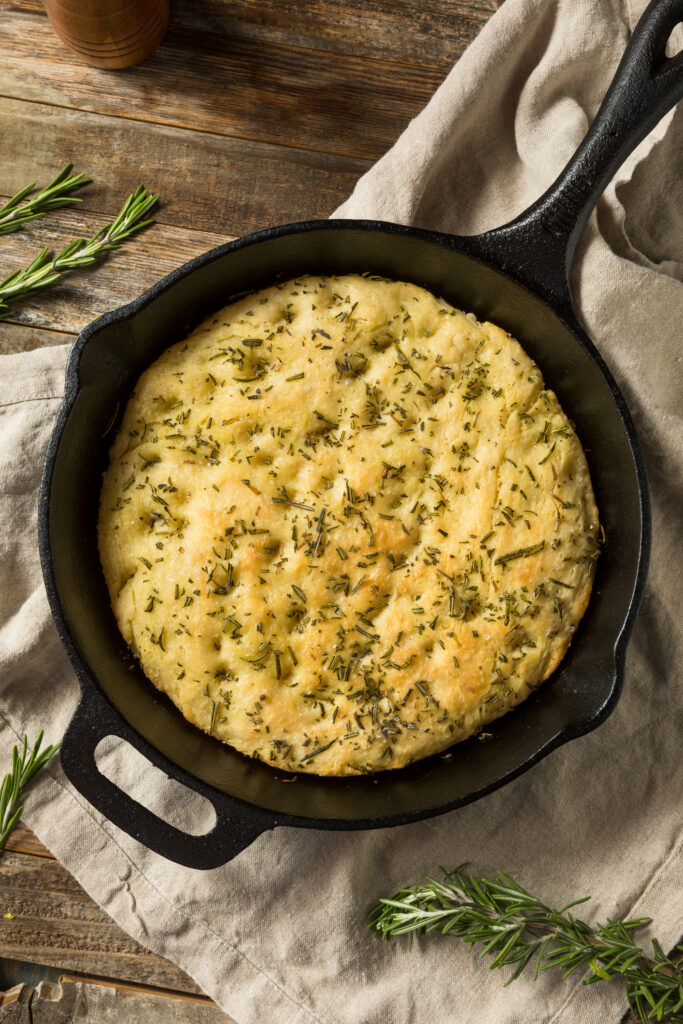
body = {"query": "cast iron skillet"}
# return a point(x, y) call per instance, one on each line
point(515, 276)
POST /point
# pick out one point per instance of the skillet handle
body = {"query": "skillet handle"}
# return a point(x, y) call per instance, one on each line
point(233, 832)
point(537, 247)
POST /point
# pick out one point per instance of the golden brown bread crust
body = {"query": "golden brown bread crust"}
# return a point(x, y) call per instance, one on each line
point(345, 526)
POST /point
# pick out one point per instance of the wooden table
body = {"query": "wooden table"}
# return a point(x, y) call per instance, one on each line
point(252, 112)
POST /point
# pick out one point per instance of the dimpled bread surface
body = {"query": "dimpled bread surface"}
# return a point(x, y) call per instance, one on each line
point(345, 525)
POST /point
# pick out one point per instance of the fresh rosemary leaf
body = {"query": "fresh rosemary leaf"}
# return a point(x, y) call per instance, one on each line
point(45, 269)
point(25, 767)
point(517, 929)
point(15, 213)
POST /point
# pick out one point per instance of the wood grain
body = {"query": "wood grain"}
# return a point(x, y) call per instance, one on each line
point(71, 1001)
point(427, 33)
point(17, 972)
point(208, 182)
point(22, 839)
point(246, 88)
point(55, 922)
point(16, 337)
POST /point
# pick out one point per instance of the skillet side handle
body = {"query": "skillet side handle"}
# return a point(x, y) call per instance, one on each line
point(537, 247)
point(232, 833)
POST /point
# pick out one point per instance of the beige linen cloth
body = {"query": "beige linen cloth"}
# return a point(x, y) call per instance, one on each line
point(278, 936)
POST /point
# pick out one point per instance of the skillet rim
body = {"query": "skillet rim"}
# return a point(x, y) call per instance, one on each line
point(476, 248)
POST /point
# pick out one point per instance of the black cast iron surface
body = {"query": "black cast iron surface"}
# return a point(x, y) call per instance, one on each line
point(515, 276)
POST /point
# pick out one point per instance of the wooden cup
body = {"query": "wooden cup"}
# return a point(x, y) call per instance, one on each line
point(113, 34)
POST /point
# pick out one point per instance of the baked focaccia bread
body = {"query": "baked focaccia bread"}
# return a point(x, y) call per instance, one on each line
point(345, 525)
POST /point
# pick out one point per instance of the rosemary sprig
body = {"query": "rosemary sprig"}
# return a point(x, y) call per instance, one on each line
point(46, 270)
point(14, 214)
point(516, 928)
point(16, 781)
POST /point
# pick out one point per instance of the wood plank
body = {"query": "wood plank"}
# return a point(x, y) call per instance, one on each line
point(246, 88)
point(54, 922)
point(86, 294)
point(16, 972)
point(431, 33)
point(207, 182)
point(71, 1001)
point(16, 337)
point(21, 839)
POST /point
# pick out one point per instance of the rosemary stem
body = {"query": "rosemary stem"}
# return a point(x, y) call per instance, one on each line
point(45, 270)
point(515, 927)
point(15, 213)
point(14, 785)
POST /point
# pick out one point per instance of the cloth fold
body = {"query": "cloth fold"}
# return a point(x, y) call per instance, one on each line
point(279, 934)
